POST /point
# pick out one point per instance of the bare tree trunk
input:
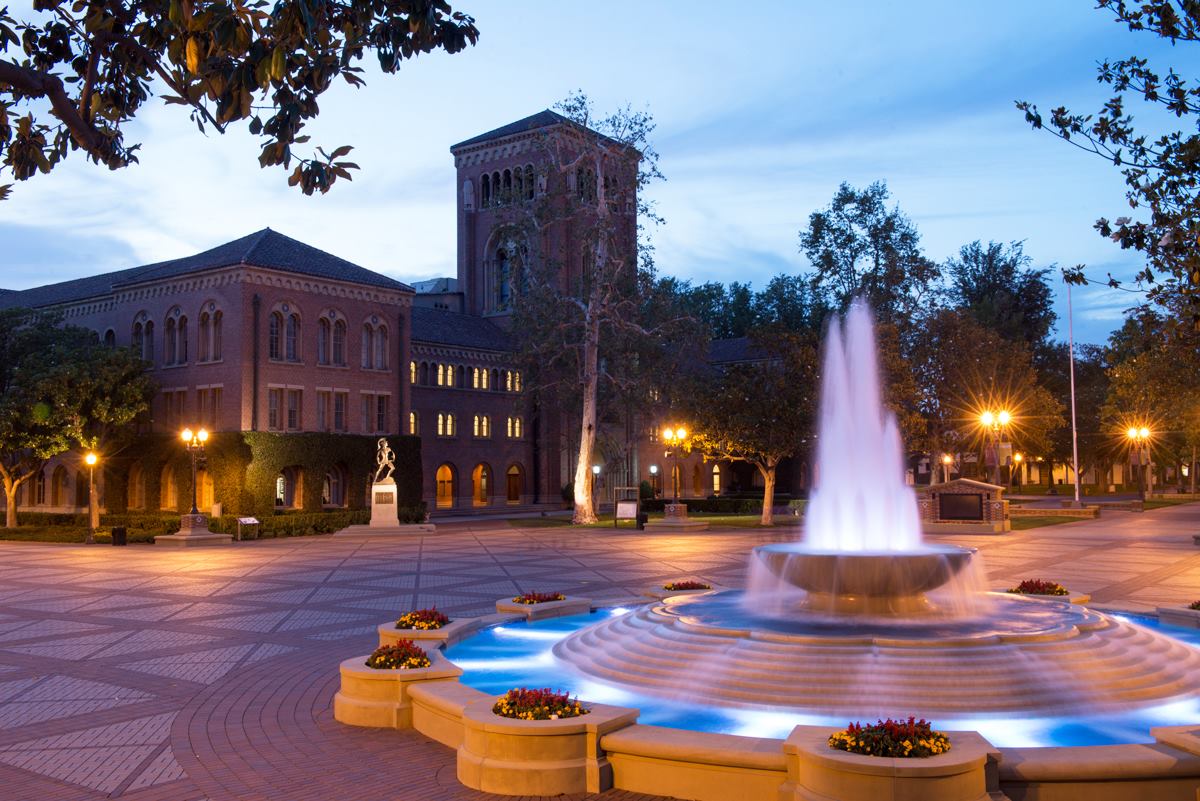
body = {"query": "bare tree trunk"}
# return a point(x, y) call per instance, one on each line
point(10, 497)
point(584, 510)
point(768, 510)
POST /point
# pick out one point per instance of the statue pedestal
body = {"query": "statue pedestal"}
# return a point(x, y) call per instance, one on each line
point(675, 519)
point(193, 531)
point(383, 505)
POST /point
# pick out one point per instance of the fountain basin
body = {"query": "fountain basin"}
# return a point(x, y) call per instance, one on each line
point(864, 582)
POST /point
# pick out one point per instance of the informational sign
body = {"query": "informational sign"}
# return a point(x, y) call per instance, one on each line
point(960, 507)
point(627, 510)
point(384, 498)
point(248, 521)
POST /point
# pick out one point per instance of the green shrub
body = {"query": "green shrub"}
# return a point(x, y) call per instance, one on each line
point(645, 491)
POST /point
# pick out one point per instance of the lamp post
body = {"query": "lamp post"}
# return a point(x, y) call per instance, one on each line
point(947, 463)
point(90, 459)
point(674, 437)
point(654, 479)
point(1139, 438)
point(194, 442)
point(996, 422)
point(1017, 458)
point(595, 500)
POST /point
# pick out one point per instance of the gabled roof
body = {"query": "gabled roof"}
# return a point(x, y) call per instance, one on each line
point(452, 328)
point(543, 119)
point(265, 248)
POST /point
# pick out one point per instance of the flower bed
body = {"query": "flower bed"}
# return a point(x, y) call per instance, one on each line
point(403, 655)
point(422, 619)
point(891, 738)
point(1039, 587)
point(523, 703)
point(1194, 606)
point(686, 585)
point(539, 597)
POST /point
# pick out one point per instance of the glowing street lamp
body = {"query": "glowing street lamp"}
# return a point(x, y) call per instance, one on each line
point(996, 422)
point(1139, 439)
point(595, 500)
point(1017, 459)
point(947, 464)
point(194, 442)
point(674, 437)
point(90, 459)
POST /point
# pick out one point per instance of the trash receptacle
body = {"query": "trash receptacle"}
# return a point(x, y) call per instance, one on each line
point(118, 535)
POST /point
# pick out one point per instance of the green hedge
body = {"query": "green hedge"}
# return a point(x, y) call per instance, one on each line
point(294, 524)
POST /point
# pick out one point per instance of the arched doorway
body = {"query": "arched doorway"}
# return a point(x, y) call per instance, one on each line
point(697, 481)
point(481, 485)
point(59, 483)
point(135, 491)
point(204, 491)
point(333, 491)
point(515, 484)
point(168, 491)
point(445, 487)
point(288, 494)
point(716, 480)
point(82, 490)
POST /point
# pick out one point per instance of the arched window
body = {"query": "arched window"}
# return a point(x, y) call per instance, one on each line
point(716, 480)
point(485, 190)
point(516, 381)
point(413, 423)
point(518, 184)
point(110, 338)
point(170, 340)
point(445, 486)
point(381, 348)
point(324, 340)
point(503, 279)
point(514, 428)
point(215, 349)
point(482, 425)
point(274, 336)
point(506, 192)
point(366, 347)
point(333, 490)
point(181, 355)
point(424, 374)
point(59, 483)
point(39, 488)
point(529, 182)
point(292, 338)
point(203, 336)
point(412, 372)
point(148, 342)
point(441, 375)
point(339, 343)
point(135, 339)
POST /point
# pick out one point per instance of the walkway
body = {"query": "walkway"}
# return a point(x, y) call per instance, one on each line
point(154, 675)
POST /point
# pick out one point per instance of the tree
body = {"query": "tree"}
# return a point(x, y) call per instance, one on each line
point(1162, 170)
point(592, 170)
point(962, 367)
point(76, 75)
point(759, 412)
point(59, 388)
point(858, 247)
point(994, 284)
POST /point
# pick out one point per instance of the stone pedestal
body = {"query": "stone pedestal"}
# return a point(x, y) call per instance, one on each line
point(193, 531)
point(675, 519)
point(383, 505)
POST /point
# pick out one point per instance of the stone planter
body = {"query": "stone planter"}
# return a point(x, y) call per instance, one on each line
point(570, 606)
point(657, 592)
point(537, 757)
point(1070, 597)
point(448, 634)
point(817, 772)
point(1179, 616)
point(380, 698)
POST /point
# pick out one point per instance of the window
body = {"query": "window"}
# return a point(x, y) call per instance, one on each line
point(339, 343)
point(274, 332)
point(516, 381)
point(479, 377)
point(503, 279)
point(293, 409)
point(340, 401)
point(215, 348)
point(324, 337)
point(508, 381)
point(274, 401)
point(214, 407)
point(170, 340)
point(366, 347)
point(716, 480)
point(203, 332)
point(514, 428)
point(322, 410)
point(529, 182)
point(485, 190)
point(413, 423)
point(381, 413)
point(202, 402)
point(292, 338)
point(381, 348)
point(412, 372)
point(482, 425)
point(445, 425)
point(441, 375)
point(110, 338)
point(39, 488)
point(181, 355)
point(135, 340)
point(148, 342)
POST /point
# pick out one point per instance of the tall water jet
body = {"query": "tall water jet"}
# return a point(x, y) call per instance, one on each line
point(861, 502)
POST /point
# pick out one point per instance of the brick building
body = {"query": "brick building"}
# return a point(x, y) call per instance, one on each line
point(265, 333)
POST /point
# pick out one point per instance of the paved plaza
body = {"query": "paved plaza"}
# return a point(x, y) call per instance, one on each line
point(149, 674)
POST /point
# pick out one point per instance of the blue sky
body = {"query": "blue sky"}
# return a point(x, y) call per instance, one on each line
point(762, 110)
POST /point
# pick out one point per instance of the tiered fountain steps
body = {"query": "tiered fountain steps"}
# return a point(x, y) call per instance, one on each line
point(1088, 660)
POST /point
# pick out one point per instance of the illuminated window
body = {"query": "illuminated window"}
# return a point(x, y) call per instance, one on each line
point(412, 372)
point(413, 423)
point(514, 428)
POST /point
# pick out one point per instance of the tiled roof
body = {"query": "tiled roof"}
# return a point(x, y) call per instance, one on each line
point(265, 248)
point(738, 349)
point(451, 328)
point(543, 119)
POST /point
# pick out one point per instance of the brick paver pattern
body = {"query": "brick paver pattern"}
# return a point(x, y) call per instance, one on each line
point(148, 674)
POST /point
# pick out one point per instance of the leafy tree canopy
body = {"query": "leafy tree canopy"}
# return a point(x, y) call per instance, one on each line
point(1161, 168)
point(72, 76)
point(995, 285)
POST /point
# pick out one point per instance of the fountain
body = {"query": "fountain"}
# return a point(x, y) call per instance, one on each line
point(862, 618)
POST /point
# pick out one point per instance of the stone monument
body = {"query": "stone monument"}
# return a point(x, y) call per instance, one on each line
point(964, 506)
point(383, 487)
